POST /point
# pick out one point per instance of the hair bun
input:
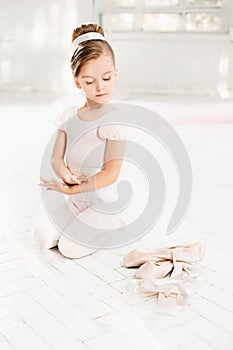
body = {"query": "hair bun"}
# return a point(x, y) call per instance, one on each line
point(86, 28)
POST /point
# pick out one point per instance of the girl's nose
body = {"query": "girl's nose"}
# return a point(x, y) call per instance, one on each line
point(99, 85)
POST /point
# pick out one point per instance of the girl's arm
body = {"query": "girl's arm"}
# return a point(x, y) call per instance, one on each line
point(113, 157)
point(57, 157)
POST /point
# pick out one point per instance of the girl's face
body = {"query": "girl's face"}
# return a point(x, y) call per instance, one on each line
point(97, 78)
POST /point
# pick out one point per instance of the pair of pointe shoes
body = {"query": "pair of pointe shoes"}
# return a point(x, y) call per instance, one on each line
point(193, 252)
point(167, 273)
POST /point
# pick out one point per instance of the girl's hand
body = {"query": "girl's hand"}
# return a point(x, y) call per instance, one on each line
point(54, 185)
point(74, 179)
point(84, 177)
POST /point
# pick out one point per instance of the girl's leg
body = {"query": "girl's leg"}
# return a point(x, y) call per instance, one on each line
point(68, 247)
point(44, 232)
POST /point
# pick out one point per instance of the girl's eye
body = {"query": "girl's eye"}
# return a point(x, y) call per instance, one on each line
point(89, 82)
point(107, 78)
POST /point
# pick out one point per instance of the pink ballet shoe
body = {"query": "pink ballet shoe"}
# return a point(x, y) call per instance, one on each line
point(151, 270)
point(193, 252)
point(136, 257)
point(168, 273)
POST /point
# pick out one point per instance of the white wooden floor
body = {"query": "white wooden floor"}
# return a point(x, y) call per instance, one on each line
point(51, 302)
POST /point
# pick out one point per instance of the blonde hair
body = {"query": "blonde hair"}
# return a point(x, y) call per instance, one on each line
point(89, 49)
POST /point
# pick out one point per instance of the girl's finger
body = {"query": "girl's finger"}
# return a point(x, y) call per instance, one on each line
point(51, 187)
point(43, 179)
point(44, 184)
point(48, 184)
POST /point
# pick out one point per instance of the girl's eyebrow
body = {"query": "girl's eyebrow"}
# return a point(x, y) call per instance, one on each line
point(89, 76)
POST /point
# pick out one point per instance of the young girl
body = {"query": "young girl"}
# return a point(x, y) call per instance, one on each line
point(94, 71)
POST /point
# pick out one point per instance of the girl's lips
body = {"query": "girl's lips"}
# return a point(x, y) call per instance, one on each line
point(101, 95)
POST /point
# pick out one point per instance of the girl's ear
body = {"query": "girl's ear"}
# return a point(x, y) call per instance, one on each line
point(77, 83)
point(116, 74)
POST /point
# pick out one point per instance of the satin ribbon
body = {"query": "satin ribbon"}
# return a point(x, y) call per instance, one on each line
point(88, 36)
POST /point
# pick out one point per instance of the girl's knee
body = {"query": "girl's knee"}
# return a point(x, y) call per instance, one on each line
point(45, 234)
point(43, 241)
point(73, 250)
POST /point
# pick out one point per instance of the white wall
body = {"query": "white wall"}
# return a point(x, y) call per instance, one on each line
point(35, 48)
point(35, 41)
point(173, 63)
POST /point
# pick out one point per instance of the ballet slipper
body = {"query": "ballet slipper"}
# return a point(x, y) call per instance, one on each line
point(151, 270)
point(168, 273)
point(166, 285)
point(136, 257)
point(193, 252)
point(168, 291)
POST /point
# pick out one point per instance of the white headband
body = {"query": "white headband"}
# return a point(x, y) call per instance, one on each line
point(88, 36)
